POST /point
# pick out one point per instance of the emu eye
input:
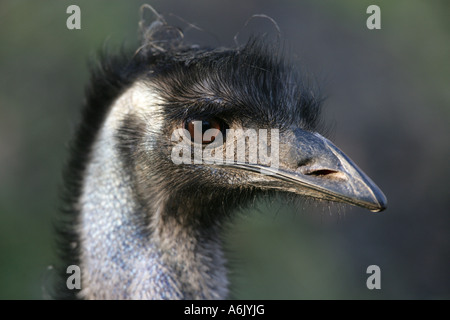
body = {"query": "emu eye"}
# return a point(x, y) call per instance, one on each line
point(198, 128)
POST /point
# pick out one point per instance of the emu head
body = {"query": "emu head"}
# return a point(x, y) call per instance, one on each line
point(210, 129)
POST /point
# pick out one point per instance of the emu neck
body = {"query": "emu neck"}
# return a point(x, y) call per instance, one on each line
point(123, 258)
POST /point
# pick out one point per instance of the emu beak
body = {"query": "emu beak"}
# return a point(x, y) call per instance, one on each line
point(311, 165)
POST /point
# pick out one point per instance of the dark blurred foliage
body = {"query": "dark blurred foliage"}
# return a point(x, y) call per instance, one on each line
point(388, 107)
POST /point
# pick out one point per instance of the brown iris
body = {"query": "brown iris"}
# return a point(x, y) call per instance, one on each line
point(197, 128)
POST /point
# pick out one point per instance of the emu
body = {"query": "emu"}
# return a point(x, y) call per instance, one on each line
point(140, 226)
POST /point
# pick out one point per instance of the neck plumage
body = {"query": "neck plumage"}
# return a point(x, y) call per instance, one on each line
point(120, 257)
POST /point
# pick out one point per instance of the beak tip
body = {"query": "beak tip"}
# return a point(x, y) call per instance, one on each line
point(381, 202)
point(381, 208)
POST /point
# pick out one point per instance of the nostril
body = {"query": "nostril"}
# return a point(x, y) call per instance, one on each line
point(321, 172)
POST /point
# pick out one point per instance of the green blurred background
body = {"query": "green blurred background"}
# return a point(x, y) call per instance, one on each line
point(388, 105)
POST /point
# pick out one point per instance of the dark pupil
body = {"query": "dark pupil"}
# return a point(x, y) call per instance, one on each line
point(206, 125)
